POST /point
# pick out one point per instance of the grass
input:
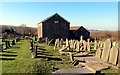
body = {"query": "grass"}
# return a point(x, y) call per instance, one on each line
point(17, 59)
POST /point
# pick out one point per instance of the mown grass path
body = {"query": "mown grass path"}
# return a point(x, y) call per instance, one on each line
point(15, 58)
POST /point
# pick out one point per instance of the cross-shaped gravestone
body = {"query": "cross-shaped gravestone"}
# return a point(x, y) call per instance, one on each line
point(106, 50)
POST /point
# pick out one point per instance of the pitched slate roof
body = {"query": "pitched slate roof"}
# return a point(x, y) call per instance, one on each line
point(56, 14)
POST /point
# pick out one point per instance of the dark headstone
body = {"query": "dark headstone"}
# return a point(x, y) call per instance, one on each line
point(35, 38)
point(34, 52)
point(31, 44)
point(13, 42)
point(8, 43)
point(1, 48)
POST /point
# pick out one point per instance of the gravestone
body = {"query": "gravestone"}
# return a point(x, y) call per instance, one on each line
point(67, 44)
point(13, 42)
point(81, 39)
point(113, 55)
point(35, 38)
point(71, 44)
point(98, 53)
point(106, 50)
point(55, 46)
point(101, 44)
point(61, 42)
point(71, 57)
point(8, 43)
point(74, 45)
point(46, 40)
point(95, 44)
point(88, 45)
point(31, 44)
point(58, 42)
point(78, 47)
point(34, 52)
point(84, 45)
point(1, 48)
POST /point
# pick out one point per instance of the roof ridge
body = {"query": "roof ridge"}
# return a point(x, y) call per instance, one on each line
point(52, 16)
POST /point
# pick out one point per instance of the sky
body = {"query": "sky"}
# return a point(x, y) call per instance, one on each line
point(91, 15)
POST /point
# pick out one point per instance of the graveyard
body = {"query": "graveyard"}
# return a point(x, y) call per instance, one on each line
point(32, 55)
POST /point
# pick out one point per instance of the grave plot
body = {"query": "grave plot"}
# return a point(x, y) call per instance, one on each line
point(104, 58)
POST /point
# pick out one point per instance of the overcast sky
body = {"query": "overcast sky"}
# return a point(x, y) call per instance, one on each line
point(91, 15)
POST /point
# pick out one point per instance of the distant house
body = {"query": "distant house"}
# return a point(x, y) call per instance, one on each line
point(77, 31)
point(54, 27)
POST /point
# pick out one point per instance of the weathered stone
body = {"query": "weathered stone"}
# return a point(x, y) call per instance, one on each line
point(71, 56)
point(58, 43)
point(95, 44)
point(84, 45)
point(46, 40)
point(78, 47)
point(81, 39)
point(71, 44)
point(73, 71)
point(98, 53)
point(106, 50)
point(67, 44)
point(96, 66)
point(34, 53)
point(113, 55)
point(88, 45)
point(55, 46)
point(74, 45)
